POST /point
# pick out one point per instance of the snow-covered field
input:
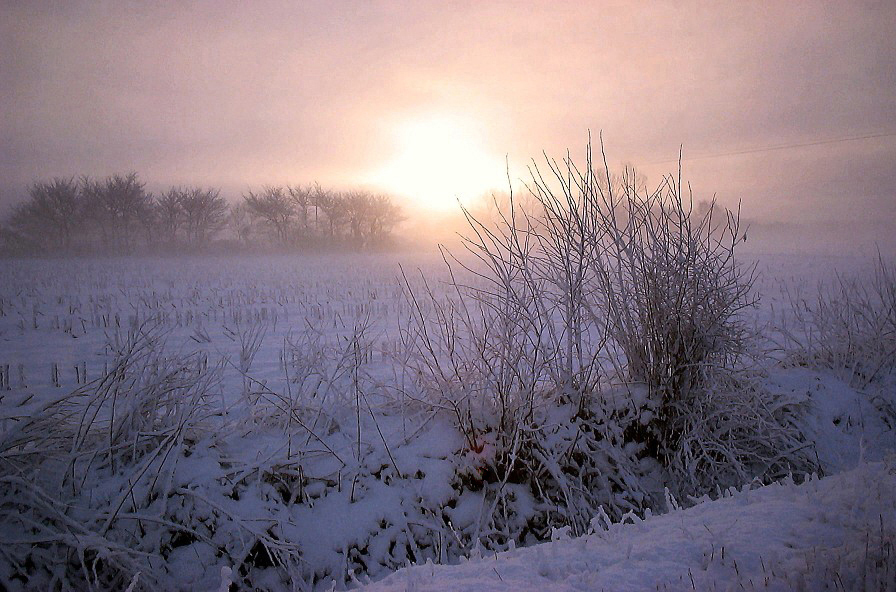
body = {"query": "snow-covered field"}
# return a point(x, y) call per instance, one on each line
point(255, 419)
point(58, 317)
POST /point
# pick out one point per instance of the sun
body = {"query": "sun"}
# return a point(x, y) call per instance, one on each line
point(438, 159)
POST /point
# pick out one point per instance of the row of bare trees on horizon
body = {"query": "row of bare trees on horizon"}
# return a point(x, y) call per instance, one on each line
point(117, 216)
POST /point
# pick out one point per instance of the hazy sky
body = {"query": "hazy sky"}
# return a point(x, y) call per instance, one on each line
point(428, 97)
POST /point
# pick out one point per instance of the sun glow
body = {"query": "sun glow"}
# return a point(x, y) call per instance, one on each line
point(439, 159)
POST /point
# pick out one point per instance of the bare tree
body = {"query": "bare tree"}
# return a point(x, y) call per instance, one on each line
point(384, 215)
point(96, 216)
point(302, 197)
point(319, 197)
point(274, 206)
point(371, 216)
point(50, 218)
point(240, 223)
point(205, 214)
point(331, 205)
point(118, 207)
point(169, 214)
point(356, 205)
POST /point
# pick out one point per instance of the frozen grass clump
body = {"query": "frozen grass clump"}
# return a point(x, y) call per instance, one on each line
point(145, 471)
point(850, 325)
point(88, 476)
point(734, 431)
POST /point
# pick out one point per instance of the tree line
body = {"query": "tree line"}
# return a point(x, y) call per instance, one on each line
point(116, 216)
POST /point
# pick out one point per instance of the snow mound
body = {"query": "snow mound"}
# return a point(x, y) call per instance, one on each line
point(838, 532)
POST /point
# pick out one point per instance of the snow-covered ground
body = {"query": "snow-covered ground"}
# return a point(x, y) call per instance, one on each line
point(304, 460)
point(835, 533)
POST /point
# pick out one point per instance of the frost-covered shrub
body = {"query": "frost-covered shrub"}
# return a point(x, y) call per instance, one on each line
point(513, 353)
point(590, 279)
point(672, 287)
point(664, 281)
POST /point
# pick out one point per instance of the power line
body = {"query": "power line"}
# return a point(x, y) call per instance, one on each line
point(774, 147)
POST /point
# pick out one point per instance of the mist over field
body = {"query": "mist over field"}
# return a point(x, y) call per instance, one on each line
point(461, 295)
point(785, 108)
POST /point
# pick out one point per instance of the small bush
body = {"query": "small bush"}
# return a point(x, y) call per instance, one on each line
point(586, 280)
